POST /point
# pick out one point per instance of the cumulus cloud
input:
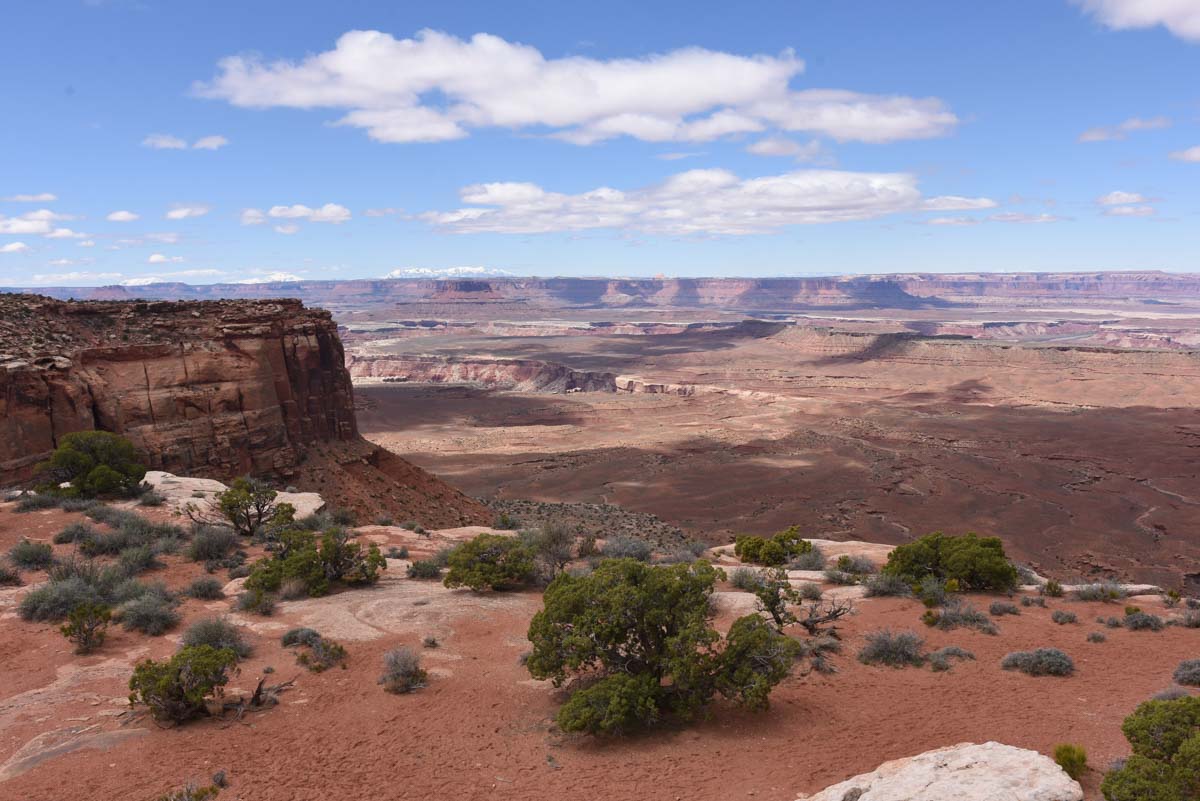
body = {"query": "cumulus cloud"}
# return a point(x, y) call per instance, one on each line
point(957, 203)
point(811, 151)
point(1122, 130)
point(40, 197)
point(329, 213)
point(438, 87)
point(706, 201)
point(253, 217)
point(1191, 154)
point(1117, 197)
point(65, 233)
point(287, 228)
point(159, 258)
point(210, 143)
point(1180, 17)
point(122, 216)
point(87, 243)
point(14, 247)
point(164, 142)
point(184, 212)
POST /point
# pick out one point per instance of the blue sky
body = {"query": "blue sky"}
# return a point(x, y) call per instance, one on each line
point(227, 141)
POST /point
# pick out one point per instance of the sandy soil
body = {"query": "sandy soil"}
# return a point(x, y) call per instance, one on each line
point(483, 729)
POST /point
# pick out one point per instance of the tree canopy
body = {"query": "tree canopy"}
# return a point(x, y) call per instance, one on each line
point(95, 463)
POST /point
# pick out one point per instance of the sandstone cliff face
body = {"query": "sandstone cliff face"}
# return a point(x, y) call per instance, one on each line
point(522, 375)
point(201, 388)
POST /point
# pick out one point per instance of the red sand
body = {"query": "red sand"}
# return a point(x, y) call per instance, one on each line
point(481, 729)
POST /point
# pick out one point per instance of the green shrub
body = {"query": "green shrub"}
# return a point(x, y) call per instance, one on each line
point(939, 660)
point(504, 522)
point(1001, 608)
point(322, 654)
point(931, 590)
point(397, 553)
point(248, 505)
point(553, 545)
point(620, 547)
point(343, 517)
point(37, 503)
point(95, 463)
point(402, 671)
point(9, 575)
point(1143, 621)
point(441, 557)
point(976, 563)
point(211, 543)
point(75, 532)
point(424, 569)
point(1071, 758)
point(883, 585)
point(30, 555)
point(490, 562)
point(55, 599)
point(137, 559)
point(808, 591)
point(78, 504)
point(1063, 617)
point(300, 636)
point(218, 633)
point(1188, 673)
point(960, 614)
point(180, 688)
point(257, 602)
point(646, 630)
point(150, 614)
point(1051, 589)
point(810, 560)
point(1027, 600)
point(86, 626)
point(1041, 662)
point(1097, 637)
point(205, 589)
point(151, 498)
point(1165, 765)
point(334, 559)
point(840, 577)
point(745, 578)
point(856, 565)
point(777, 550)
point(1106, 591)
point(894, 649)
point(384, 520)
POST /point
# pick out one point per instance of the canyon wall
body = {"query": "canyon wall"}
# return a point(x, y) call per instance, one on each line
point(201, 388)
point(522, 375)
point(911, 290)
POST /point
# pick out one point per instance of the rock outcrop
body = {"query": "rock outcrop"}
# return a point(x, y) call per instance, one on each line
point(523, 375)
point(964, 772)
point(208, 389)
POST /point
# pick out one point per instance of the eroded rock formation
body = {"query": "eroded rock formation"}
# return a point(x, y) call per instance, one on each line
point(214, 389)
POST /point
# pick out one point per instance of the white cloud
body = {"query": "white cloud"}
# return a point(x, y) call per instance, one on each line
point(1191, 154)
point(61, 262)
point(164, 142)
point(87, 243)
point(387, 86)
point(253, 217)
point(271, 278)
point(159, 258)
point(287, 228)
point(41, 197)
point(73, 277)
point(122, 216)
point(952, 221)
point(21, 225)
point(159, 278)
point(1122, 130)
point(1118, 197)
point(47, 215)
point(65, 233)
point(957, 203)
point(1018, 217)
point(210, 143)
point(1180, 17)
point(381, 212)
point(165, 237)
point(809, 152)
point(676, 156)
point(329, 213)
point(1129, 211)
point(182, 212)
point(446, 272)
point(14, 247)
point(712, 201)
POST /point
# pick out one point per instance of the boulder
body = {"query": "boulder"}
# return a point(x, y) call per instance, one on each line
point(179, 491)
point(964, 772)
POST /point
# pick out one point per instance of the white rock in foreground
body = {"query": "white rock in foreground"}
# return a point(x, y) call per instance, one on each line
point(963, 772)
point(179, 491)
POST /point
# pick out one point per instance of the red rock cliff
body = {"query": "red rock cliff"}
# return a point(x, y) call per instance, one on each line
point(216, 388)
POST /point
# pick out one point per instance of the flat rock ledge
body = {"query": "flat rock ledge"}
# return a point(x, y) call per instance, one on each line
point(964, 772)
